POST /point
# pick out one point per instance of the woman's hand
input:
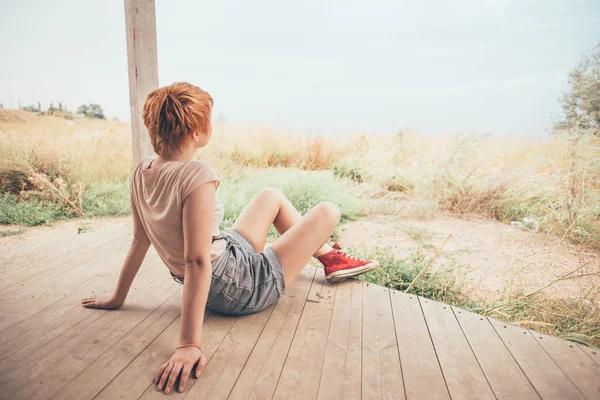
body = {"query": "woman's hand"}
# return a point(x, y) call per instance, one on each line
point(181, 362)
point(104, 302)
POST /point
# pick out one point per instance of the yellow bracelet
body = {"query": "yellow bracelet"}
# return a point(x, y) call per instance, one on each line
point(189, 345)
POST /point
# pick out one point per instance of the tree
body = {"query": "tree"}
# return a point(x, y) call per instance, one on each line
point(96, 111)
point(91, 111)
point(83, 109)
point(581, 104)
point(30, 108)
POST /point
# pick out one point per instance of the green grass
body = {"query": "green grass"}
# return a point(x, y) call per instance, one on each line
point(28, 212)
point(106, 200)
point(304, 189)
point(440, 284)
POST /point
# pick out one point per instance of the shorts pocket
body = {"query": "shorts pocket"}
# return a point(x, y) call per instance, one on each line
point(238, 270)
point(225, 304)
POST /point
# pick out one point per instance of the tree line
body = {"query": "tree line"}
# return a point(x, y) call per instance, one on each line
point(88, 110)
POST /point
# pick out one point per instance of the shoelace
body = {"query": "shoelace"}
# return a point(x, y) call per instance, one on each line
point(345, 254)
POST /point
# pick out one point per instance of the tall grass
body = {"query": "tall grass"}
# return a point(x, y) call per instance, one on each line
point(554, 180)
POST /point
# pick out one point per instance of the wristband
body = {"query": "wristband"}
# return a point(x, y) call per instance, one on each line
point(189, 345)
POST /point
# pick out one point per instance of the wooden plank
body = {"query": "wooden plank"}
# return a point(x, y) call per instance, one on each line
point(227, 363)
point(106, 332)
point(573, 361)
point(545, 376)
point(35, 253)
point(381, 369)
point(50, 315)
point(142, 61)
point(421, 370)
point(97, 375)
point(464, 377)
point(59, 320)
point(259, 377)
point(341, 375)
point(16, 251)
point(592, 352)
point(37, 269)
point(48, 355)
point(502, 372)
point(302, 370)
point(137, 377)
point(37, 294)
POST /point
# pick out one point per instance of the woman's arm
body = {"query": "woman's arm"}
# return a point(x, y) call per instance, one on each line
point(131, 266)
point(197, 217)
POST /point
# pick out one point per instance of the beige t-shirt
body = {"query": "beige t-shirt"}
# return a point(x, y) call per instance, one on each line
point(158, 194)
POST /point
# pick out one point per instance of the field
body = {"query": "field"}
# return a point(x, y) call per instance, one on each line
point(401, 196)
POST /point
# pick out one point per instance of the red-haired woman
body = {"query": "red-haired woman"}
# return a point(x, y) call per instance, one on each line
point(175, 208)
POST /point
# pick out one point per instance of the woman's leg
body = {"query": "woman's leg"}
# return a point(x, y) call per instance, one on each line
point(299, 243)
point(301, 236)
point(269, 207)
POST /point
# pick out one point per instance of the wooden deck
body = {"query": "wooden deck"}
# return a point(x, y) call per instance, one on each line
point(346, 341)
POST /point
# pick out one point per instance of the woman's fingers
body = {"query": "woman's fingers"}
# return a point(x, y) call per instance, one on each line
point(201, 365)
point(185, 374)
point(90, 301)
point(160, 371)
point(173, 377)
point(164, 376)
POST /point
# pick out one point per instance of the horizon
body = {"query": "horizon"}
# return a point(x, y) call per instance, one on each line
point(494, 68)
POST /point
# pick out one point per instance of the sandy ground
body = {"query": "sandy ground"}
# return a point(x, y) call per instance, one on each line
point(493, 257)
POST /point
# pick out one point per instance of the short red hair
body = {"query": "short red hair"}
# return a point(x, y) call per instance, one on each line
point(172, 113)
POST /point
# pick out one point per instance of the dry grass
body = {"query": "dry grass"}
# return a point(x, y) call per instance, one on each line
point(79, 151)
point(234, 147)
point(575, 318)
point(556, 181)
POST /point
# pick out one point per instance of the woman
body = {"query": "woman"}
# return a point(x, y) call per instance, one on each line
point(175, 208)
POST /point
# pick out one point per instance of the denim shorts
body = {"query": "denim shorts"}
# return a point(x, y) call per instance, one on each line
point(244, 281)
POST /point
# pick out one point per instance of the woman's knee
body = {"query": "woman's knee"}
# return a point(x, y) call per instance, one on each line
point(330, 211)
point(270, 193)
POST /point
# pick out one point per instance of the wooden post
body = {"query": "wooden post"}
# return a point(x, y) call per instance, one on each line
point(140, 23)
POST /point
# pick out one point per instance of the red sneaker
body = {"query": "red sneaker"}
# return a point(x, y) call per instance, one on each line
point(339, 265)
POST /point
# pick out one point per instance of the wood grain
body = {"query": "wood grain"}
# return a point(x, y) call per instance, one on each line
point(545, 376)
point(259, 377)
point(381, 370)
point(462, 372)
point(341, 377)
point(301, 373)
point(421, 370)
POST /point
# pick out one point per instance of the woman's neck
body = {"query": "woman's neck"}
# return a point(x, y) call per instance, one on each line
point(183, 155)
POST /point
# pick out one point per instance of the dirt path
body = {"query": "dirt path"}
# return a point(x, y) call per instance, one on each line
point(496, 256)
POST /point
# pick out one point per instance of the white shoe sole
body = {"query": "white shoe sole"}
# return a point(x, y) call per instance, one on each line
point(349, 273)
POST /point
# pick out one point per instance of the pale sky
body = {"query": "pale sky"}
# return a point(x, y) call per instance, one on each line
point(490, 66)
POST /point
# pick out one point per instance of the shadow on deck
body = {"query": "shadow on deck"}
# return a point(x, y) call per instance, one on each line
point(347, 341)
